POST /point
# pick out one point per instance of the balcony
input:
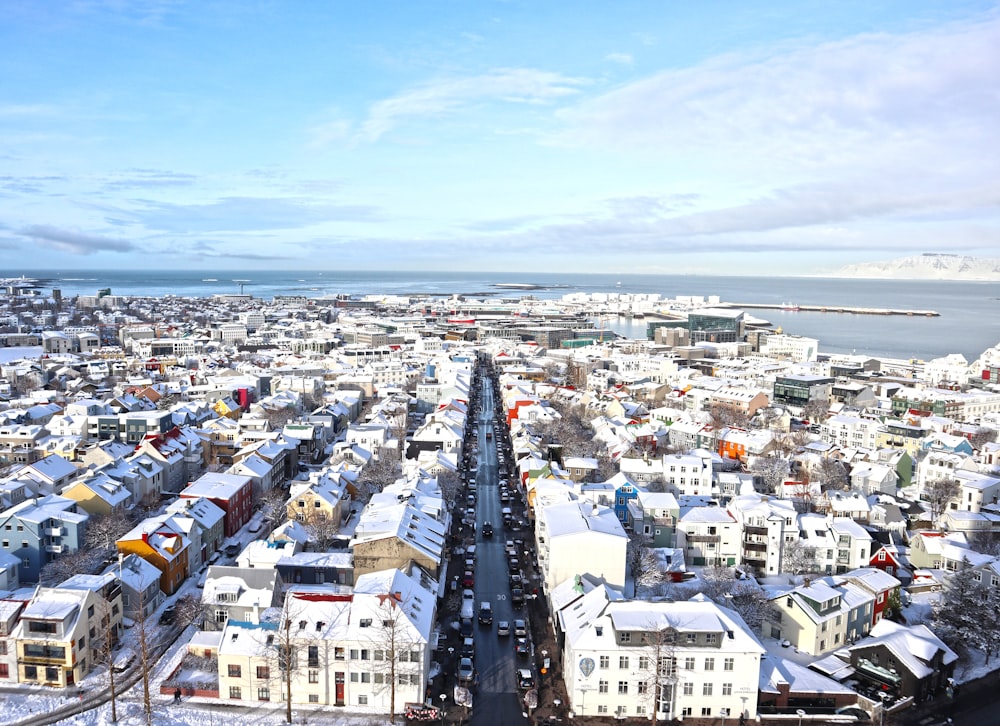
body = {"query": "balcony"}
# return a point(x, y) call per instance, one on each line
point(703, 538)
point(755, 530)
point(54, 549)
point(755, 547)
point(54, 531)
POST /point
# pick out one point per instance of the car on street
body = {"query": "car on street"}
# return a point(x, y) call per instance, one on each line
point(516, 580)
point(485, 613)
point(522, 648)
point(468, 595)
point(468, 579)
point(468, 648)
point(525, 680)
point(503, 628)
point(466, 671)
point(168, 615)
point(520, 628)
point(487, 529)
point(517, 597)
point(232, 550)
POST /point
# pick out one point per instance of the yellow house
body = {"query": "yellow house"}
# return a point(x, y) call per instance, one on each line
point(99, 494)
point(63, 630)
point(163, 544)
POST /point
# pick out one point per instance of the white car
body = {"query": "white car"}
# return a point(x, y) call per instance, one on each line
point(466, 671)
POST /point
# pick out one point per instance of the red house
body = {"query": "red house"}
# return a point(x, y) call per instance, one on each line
point(886, 558)
point(230, 492)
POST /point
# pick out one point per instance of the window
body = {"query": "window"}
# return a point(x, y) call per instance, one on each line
point(362, 700)
point(688, 689)
point(724, 712)
point(691, 638)
point(354, 678)
point(625, 638)
point(365, 655)
point(365, 623)
point(602, 686)
point(314, 656)
point(313, 676)
point(710, 664)
point(4, 672)
point(643, 663)
point(623, 662)
point(235, 671)
point(622, 688)
point(221, 616)
point(263, 693)
point(354, 653)
point(82, 644)
point(706, 711)
point(706, 689)
point(727, 689)
point(686, 711)
point(602, 708)
point(263, 672)
point(712, 638)
point(689, 664)
point(727, 664)
point(31, 673)
point(366, 677)
point(642, 688)
point(313, 698)
point(235, 692)
point(605, 661)
point(338, 653)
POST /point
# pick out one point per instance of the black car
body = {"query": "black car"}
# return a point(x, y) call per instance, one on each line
point(517, 597)
point(487, 530)
point(168, 615)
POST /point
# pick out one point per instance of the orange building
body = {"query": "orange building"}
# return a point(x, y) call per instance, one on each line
point(163, 544)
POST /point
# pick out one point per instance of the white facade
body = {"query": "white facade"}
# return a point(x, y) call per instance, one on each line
point(580, 538)
point(683, 659)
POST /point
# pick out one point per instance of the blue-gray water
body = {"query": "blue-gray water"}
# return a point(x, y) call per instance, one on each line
point(969, 321)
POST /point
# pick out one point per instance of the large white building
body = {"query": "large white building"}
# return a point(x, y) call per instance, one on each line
point(580, 538)
point(683, 659)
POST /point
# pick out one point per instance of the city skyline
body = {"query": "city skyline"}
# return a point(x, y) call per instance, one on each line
point(649, 137)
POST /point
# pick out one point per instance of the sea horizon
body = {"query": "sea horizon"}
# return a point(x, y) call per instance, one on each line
point(967, 322)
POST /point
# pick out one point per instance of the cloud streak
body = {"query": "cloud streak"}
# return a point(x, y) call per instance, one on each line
point(434, 99)
point(75, 243)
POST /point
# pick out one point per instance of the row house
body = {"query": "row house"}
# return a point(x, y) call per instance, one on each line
point(242, 594)
point(836, 544)
point(851, 431)
point(398, 536)
point(368, 650)
point(768, 525)
point(232, 493)
point(180, 452)
point(674, 660)
point(579, 537)
point(140, 583)
point(162, 542)
point(904, 661)
point(322, 497)
point(743, 445)
point(99, 494)
point(654, 515)
point(207, 530)
point(709, 536)
point(820, 616)
point(38, 530)
point(61, 632)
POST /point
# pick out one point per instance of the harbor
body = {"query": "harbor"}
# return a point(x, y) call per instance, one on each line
point(832, 309)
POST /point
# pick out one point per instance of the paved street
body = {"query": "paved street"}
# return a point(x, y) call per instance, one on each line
point(497, 701)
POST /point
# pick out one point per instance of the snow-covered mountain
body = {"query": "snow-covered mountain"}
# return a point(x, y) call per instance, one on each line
point(927, 267)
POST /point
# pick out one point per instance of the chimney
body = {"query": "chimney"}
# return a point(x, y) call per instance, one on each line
point(145, 537)
point(593, 511)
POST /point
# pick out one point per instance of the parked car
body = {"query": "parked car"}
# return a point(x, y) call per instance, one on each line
point(466, 670)
point(525, 680)
point(516, 580)
point(168, 615)
point(468, 648)
point(520, 628)
point(517, 597)
point(232, 550)
point(521, 648)
point(468, 579)
point(503, 628)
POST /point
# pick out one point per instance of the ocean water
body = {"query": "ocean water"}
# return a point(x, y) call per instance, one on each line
point(969, 320)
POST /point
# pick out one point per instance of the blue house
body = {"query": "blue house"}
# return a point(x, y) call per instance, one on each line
point(36, 531)
point(623, 495)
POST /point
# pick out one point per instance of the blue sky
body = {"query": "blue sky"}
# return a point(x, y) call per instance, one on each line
point(672, 136)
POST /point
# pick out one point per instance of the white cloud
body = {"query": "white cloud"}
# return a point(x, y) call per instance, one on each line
point(76, 243)
point(511, 85)
point(624, 59)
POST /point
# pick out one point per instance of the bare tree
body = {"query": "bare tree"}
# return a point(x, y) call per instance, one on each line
point(322, 528)
point(982, 436)
point(939, 493)
point(450, 484)
point(104, 530)
point(392, 644)
point(723, 416)
point(771, 470)
point(273, 507)
point(657, 668)
point(797, 558)
point(816, 409)
point(64, 566)
point(831, 473)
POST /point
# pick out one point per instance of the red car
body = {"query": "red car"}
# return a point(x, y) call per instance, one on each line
point(468, 580)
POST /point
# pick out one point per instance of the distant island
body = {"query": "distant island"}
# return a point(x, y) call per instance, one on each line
point(928, 266)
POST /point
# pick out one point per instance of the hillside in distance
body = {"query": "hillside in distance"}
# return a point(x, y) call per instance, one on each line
point(929, 266)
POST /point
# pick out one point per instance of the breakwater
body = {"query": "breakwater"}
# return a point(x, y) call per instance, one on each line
point(832, 309)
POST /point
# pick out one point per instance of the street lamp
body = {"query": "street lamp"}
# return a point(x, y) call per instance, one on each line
point(885, 697)
point(800, 713)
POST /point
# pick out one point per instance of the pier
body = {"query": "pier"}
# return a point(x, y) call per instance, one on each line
point(832, 309)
